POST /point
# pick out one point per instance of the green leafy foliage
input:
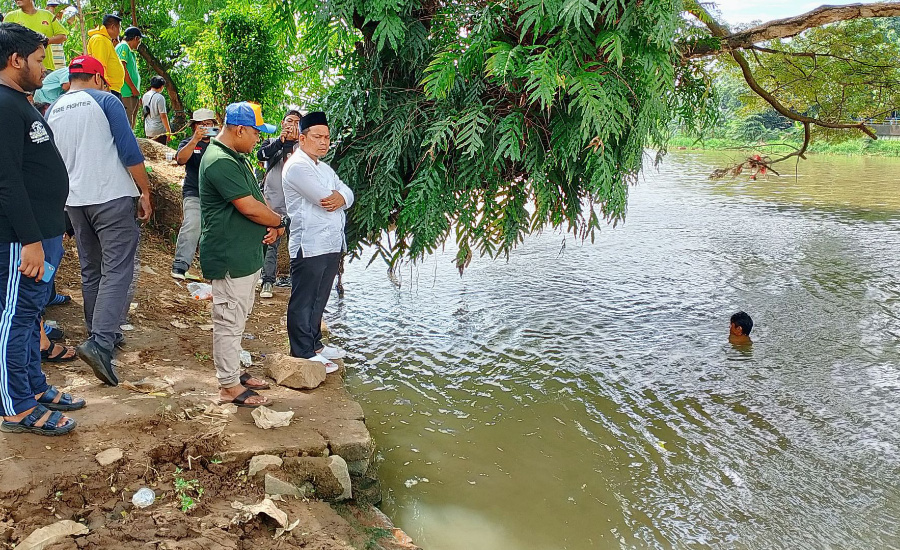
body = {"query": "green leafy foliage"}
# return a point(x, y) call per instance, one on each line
point(239, 59)
point(483, 122)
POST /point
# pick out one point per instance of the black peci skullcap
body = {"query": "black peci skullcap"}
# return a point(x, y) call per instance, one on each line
point(315, 118)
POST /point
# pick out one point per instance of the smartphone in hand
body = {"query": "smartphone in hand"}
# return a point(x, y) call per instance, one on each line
point(49, 270)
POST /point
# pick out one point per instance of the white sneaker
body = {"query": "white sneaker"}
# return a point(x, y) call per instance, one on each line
point(332, 352)
point(329, 366)
point(266, 291)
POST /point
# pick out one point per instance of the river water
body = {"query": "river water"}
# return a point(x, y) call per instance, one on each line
point(583, 396)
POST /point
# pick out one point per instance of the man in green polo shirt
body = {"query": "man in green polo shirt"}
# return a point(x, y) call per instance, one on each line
point(131, 95)
point(236, 223)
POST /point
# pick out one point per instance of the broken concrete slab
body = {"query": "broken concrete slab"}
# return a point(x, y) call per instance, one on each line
point(338, 467)
point(261, 462)
point(328, 475)
point(348, 438)
point(293, 372)
point(275, 486)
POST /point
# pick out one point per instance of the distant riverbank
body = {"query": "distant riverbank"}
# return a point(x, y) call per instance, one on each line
point(855, 147)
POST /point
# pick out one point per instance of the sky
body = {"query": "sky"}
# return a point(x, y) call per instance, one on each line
point(745, 11)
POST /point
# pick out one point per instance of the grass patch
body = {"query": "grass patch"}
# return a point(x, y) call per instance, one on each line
point(853, 147)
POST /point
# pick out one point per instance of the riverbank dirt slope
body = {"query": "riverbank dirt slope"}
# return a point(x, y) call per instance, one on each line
point(162, 428)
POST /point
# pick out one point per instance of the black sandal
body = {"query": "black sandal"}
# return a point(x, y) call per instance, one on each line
point(241, 400)
point(60, 356)
point(246, 377)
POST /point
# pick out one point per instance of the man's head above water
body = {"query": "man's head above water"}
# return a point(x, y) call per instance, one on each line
point(741, 325)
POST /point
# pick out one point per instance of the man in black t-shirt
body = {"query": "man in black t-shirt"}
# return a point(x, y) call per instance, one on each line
point(190, 151)
point(275, 152)
point(33, 190)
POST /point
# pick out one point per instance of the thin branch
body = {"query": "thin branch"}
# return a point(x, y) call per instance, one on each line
point(782, 28)
point(816, 55)
point(719, 31)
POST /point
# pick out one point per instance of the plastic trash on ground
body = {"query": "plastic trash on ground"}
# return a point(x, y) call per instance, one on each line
point(143, 498)
point(200, 291)
point(246, 358)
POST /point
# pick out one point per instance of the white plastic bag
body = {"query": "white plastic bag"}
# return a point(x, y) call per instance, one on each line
point(200, 291)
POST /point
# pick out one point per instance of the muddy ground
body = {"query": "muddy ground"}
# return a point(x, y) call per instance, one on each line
point(175, 440)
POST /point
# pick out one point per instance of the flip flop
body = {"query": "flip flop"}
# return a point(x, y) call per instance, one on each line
point(65, 403)
point(241, 400)
point(246, 377)
point(27, 424)
point(60, 356)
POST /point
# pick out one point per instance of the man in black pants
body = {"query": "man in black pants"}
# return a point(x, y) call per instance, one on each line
point(316, 203)
point(275, 152)
point(33, 189)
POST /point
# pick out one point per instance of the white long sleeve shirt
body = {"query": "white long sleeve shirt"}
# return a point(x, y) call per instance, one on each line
point(314, 230)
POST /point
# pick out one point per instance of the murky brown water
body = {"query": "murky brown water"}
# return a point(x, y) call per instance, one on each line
point(588, 398)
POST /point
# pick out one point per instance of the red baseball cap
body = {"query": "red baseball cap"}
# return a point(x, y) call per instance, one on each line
point(85, 64)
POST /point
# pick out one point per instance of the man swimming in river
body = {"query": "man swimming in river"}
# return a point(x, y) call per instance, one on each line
point(739, 333)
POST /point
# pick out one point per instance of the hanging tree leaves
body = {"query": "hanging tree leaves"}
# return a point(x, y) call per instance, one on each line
point(484, 121)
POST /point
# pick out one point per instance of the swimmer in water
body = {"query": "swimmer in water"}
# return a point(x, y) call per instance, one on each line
point(741, 325)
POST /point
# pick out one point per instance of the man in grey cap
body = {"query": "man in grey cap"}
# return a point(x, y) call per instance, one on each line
point(190, 152)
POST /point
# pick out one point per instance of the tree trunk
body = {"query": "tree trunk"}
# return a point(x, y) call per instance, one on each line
point(179, 119)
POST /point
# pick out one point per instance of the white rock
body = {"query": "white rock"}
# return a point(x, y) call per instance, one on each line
point(107, 457)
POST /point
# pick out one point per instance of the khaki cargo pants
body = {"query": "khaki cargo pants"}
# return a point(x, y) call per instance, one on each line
point(232, 303)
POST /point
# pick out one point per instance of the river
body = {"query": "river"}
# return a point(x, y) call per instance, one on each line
point(584, 396)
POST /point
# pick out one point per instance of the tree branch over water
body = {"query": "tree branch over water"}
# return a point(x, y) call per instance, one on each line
point(780, 29)
point(784, 28)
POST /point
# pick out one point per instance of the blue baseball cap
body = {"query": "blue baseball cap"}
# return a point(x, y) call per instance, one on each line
point(246, 113)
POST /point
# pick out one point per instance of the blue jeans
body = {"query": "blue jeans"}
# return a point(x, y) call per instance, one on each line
point(22, 299)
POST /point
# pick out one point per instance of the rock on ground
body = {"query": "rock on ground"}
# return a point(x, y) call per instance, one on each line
point(293, 372)
point(109, 456)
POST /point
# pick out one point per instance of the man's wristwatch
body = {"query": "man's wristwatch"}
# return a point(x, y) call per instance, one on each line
point(284, 222)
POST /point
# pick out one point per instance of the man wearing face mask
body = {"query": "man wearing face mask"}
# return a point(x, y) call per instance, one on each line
point(190, 152)
point(316, 203)
point(275, 152)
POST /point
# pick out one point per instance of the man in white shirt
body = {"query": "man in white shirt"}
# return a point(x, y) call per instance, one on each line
point(104, 163)
point(316, 201)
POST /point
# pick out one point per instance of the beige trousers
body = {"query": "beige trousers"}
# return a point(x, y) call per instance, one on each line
point(232, 303)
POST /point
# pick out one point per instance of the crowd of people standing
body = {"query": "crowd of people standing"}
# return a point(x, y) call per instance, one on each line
point(72, 164)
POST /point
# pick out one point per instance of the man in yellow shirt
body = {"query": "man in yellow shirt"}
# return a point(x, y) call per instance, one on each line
point(40, 21)
point(101, 46)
